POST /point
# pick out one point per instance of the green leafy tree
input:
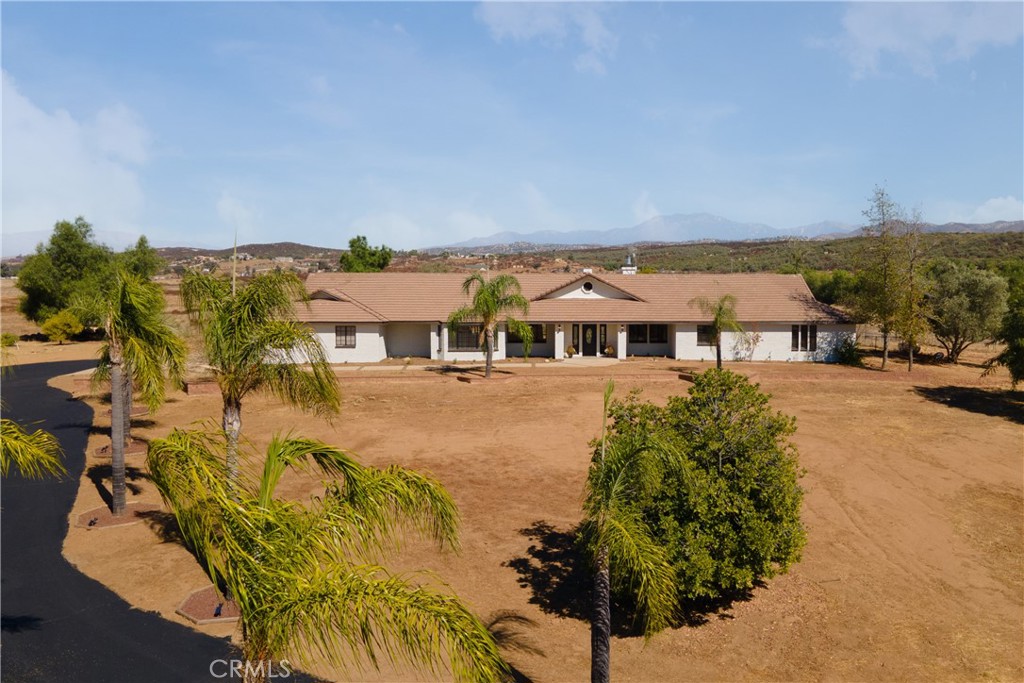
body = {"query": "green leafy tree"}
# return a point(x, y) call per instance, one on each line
point(722, 313)
point(362, 258)
point(142, 259)
point(33, 455)
point(728, 513)
point(307, 578)
point(70, 263)
point(881, 279)
point(62, 326)
point(831, 287)
point(1011, 331)
point(253, 343)
point(967, 305)
point(626, 471)
point(494, 301)
point(141, 350)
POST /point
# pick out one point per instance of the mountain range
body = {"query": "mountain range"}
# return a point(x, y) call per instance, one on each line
point(696, 227)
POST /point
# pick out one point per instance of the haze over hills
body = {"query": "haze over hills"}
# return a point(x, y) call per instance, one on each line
point(693, 228)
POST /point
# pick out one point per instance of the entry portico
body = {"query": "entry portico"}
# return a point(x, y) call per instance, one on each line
point(366, 317)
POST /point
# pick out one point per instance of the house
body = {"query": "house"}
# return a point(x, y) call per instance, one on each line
point(367, 317)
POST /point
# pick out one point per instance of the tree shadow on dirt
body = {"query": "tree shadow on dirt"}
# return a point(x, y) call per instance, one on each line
point(1005, 404)
point(472, 370)
point(99, 475)
point(558, 574)
point(164, 525)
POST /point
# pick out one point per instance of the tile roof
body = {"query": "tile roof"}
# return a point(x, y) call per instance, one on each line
point(430, 297)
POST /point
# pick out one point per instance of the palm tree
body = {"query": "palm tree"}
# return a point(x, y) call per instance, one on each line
point(625, 471)
point(141, 348)
point(493, 300)
point(306, 577)
point(723, 317)
point(252, 342)
point(32, 455)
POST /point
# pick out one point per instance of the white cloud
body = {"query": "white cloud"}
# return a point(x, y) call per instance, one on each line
point(643, 208)
point(58, 167)
point(553, 24)
point(236, 215)
point(925, 34)
point(998, 209)
point(461, 225)
point(392, 228)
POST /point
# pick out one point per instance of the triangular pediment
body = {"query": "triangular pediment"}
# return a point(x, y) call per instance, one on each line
point(588, 286)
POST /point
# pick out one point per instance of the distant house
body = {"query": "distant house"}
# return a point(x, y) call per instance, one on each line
point(366, 317)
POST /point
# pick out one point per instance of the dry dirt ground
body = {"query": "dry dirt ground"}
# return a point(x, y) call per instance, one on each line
point(914, 568)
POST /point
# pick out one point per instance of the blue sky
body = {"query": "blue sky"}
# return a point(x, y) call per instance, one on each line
point(419, 124)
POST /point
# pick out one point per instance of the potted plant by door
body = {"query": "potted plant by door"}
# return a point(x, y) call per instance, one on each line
point(571, 351)
point(609, 350)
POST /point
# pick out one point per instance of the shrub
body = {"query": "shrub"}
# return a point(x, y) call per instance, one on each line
point(62, 326)
point(728, 514)
point(8, 339)
point(847, 353)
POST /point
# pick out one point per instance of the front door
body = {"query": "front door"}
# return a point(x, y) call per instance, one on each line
point(589, 340)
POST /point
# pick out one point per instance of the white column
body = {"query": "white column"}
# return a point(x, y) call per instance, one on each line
point(620, 347)
point(444, 343)
point(559, 341)
point(435, 340)
point(501, 341)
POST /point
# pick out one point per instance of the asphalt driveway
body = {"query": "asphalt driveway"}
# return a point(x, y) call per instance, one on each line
point(58, 624)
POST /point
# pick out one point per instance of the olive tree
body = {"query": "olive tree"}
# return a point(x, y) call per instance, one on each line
point(966, 305)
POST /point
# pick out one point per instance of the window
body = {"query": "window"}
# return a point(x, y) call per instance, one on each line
point(638, 334)
point(602, 334)
point(540, 335)
point(804, 338)
point(588, 287)
point(467, 338)
point(344, 336)
point(576, 337)
point(705, 335)
point(658, 334)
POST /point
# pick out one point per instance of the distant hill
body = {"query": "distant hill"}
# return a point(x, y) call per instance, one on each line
point(259, 251)
point(686, 228)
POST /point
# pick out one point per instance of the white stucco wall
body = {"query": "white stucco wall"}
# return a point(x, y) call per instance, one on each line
point(775, 343)
point(369, 348)
point(599, 290)
point(408, 339)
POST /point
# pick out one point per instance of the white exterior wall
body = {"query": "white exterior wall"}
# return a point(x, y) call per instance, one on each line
point(370, 346)
point(775, 343)
point(408, 339)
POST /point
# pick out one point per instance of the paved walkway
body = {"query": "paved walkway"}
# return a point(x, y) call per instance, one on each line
point(58, 624)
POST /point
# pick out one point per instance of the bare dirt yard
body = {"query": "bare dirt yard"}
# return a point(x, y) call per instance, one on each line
point(914, 568)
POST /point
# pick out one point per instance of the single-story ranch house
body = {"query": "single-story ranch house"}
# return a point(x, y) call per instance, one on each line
point(367, 317)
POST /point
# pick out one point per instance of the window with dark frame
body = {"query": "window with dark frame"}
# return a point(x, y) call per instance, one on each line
point(576, 337)
point(540, 335)
point(467, 338)
point(638, 334)
point(344, 336)
point(705, 335)
point(804, 338)
point(657, 334)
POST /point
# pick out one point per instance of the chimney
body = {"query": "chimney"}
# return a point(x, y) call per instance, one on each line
point(630, 267)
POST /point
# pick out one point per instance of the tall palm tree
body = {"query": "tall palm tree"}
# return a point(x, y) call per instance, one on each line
point(33, 455)
point(722, 312)
point(306, 577)
point(141, 348)
point(253, 343)
point(624, 472)
point(494, 300)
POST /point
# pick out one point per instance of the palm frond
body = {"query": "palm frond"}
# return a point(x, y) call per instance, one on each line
point(33, 454)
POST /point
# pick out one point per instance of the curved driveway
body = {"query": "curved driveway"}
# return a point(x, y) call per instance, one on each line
point(58, 624)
